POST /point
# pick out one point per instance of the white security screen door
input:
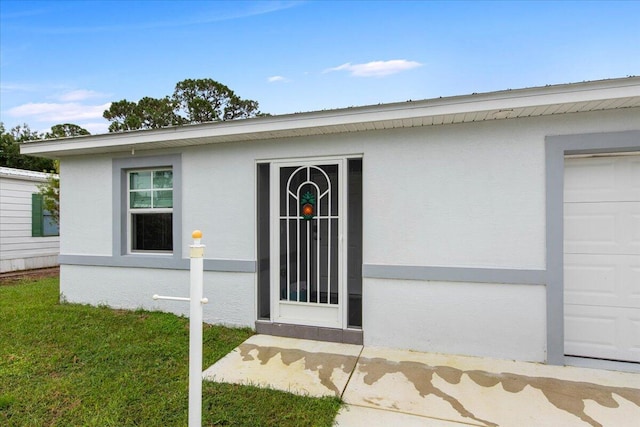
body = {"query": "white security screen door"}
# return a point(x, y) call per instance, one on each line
point(306, 244)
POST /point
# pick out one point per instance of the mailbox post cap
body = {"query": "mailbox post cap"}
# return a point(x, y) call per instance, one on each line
point(197, 234)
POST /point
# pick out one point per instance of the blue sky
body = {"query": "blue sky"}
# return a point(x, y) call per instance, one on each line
point(65, 61)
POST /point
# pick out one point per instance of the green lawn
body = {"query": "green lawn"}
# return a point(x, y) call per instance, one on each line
point(76, 365)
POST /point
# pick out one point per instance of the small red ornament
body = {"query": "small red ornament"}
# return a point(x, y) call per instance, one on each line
point(307, 210)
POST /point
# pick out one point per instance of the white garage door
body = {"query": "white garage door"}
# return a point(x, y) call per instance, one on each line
point(602, 257)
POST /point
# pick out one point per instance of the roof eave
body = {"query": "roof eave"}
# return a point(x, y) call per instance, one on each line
point(475, 107)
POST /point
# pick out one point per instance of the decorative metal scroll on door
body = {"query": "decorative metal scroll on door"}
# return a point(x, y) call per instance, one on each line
point(309, 225)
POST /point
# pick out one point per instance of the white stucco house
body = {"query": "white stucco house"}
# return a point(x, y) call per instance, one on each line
point(28, 236)
point(502, 224)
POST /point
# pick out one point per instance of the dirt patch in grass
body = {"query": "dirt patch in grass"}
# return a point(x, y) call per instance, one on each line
point(17, 277)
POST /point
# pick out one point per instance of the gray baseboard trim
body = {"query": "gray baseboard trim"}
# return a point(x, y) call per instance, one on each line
point(230, 265)
point(159, 262)
point(316, 333)
point(455, 274)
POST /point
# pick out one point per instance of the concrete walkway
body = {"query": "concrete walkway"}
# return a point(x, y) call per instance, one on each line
point(386, 387)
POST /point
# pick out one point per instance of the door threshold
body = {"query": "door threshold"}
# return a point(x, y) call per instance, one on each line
point(316, 333)
point(609, 365)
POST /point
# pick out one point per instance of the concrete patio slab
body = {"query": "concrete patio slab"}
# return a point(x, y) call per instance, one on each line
point(314, 368)
point(355, 416)
point(388, 387)
point(489, 392)
point(350, 416)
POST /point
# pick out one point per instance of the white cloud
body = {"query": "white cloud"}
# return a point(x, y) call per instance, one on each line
point(274, 79)
point(208, 13)
point(81, 95)
point(17, 87)
point(95, 128)
point(70, 112)
point(376, 68)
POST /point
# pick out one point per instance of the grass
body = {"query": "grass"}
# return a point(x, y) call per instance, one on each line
point(76, 365)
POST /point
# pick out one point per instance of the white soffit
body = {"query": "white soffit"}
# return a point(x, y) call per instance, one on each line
point(531, 102)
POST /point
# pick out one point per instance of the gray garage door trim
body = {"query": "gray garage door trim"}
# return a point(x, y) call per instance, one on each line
point(556, 148)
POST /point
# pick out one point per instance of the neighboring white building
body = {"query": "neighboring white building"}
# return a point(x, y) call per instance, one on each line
point(504, 224)
point(28, 237)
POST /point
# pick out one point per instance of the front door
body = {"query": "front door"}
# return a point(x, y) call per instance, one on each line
point(306, 242)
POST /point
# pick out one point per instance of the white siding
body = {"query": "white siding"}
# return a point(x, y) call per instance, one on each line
point(18, 250)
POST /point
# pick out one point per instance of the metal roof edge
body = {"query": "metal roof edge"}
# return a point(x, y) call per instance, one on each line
point(29, 175)
point(270, 125)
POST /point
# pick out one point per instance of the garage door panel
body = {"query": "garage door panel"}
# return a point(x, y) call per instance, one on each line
point(608, 280)
point(634, 232)
point(634, 333)
point(596, 228)
point(634, 166)
point(602, 257)
point(601, 329)
point(589, 179)
point(605, 333)
point(602, 179)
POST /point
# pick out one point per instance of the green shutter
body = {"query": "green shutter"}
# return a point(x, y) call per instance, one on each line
point(36, 215)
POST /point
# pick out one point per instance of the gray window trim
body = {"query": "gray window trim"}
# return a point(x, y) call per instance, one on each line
point(120, 193)
point(556, 148)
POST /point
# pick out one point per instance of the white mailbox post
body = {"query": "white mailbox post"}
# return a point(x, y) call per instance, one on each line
point(196, 300)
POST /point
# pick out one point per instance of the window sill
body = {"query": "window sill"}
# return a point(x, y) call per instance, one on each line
point(149, 253)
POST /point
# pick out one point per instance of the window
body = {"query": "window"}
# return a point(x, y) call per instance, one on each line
point(152, 225)
point(42, 222)
point(150, 210)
